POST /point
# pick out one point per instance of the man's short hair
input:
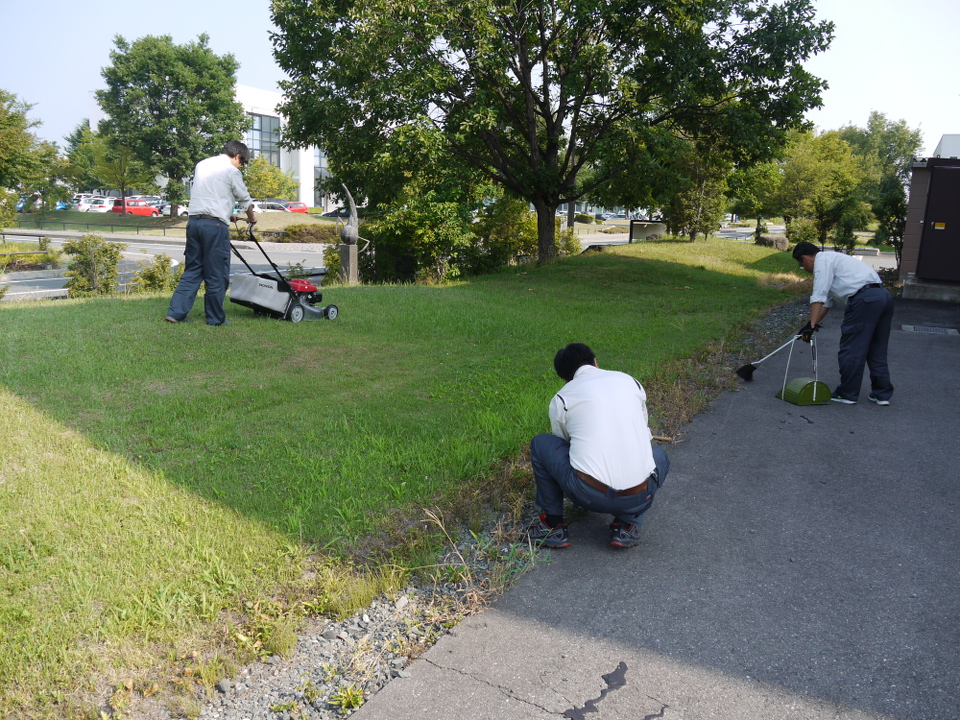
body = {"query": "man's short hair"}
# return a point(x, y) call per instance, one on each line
point(572, 358)
point(804, 248)
point(235, 148)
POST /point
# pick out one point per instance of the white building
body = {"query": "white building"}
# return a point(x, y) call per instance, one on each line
point(307, 165)
point(948, 147)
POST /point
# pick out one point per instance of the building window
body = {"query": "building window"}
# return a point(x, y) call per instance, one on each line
point(263, 138)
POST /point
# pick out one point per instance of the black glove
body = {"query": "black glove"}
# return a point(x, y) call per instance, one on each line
point(806, 332)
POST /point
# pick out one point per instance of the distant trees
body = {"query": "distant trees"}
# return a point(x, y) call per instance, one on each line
point(81, 156)
point(264, 180)
point(887, 148)
point(172, 105)
point(698, 204)
point(29, 167)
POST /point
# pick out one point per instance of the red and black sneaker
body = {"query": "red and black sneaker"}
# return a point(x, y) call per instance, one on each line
point(551, 537)
point(624, 536)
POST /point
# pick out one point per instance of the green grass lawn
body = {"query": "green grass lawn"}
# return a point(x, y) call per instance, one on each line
point(155, 478)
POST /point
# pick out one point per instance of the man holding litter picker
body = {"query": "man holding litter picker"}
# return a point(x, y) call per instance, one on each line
point(217, 188)
point(600, 453)
point(867, 318)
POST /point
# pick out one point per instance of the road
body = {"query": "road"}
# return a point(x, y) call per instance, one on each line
point(141, 252)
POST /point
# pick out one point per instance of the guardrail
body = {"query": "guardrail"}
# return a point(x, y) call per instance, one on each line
point(52, 224)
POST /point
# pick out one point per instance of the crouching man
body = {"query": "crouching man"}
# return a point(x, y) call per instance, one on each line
point(599, 454)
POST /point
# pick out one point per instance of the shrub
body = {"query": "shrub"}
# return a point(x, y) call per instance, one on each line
point(157, 275)
point(331, 261)
point(802, 230)
point(568, 242)
point(584, 218)
point(94, 270)
point(312, 233)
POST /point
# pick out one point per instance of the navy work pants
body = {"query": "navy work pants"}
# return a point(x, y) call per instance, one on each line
point(207, 260)
point(863, 340)
point(556, 478)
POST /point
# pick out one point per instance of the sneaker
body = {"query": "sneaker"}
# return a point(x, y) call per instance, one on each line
point(624, 536)
point(878, 401)
point(552, 537)
point(845, 401)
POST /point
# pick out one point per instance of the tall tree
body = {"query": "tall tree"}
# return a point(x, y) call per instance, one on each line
point(116, 166)
point(822, 181)
point(887, 148)
point(534, 92)
point(171, 104)
point(29, 167)
point(264, 180)
point(80, 155)
point(697, 207)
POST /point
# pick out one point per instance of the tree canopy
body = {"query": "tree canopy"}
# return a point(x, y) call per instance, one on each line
point(29, 166)
point(264, 180)
point(171, 104)
point(533, 94)
point(887, 149)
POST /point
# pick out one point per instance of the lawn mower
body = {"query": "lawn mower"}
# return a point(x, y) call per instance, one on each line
point(278, 297)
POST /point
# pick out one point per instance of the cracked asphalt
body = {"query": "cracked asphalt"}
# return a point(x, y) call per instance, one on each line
point(799, 563)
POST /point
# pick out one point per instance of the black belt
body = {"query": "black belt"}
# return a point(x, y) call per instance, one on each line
point(597, 485)
point(867, 287)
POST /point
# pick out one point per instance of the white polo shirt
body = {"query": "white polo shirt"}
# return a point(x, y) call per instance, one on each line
point(217, 187)
point(603, 415)
point(837, 276)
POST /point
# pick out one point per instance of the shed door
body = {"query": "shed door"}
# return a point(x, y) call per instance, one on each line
point(940, 241)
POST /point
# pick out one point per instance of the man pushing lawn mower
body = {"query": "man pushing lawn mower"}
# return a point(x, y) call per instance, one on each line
point(217, 187)
point(867, 318)
point(599, 454)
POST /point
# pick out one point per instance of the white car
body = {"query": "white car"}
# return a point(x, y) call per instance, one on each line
point(101, 204)
point(82, 202)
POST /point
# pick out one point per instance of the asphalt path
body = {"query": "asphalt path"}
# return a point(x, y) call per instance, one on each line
point(800, 563)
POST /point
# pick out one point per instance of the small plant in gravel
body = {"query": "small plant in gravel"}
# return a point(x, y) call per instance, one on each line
point(348, 697)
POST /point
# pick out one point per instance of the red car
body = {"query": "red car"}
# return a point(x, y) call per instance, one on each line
point(296, 207)
point(135, 207)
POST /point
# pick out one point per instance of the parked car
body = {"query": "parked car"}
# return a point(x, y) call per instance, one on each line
point(101, 204)
point(181, 209)
point(83, 202)
point(299, 207)
point(261, 206)
point(135, 207)
point(338, 213)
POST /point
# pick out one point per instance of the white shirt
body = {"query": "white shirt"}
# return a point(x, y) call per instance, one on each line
point(837, 276)
point(603, 415)
point(217, 187)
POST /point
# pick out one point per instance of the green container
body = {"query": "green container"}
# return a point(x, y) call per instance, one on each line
point(805, 391)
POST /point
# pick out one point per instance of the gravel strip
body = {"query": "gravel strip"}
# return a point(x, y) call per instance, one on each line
point(361, 654)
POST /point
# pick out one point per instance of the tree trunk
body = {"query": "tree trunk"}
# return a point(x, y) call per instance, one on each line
point(546, 230)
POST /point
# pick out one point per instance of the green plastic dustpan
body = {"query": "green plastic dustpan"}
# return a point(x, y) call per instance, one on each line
point(805, 391)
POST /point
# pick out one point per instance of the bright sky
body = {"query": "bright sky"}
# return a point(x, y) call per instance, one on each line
point(898, 57)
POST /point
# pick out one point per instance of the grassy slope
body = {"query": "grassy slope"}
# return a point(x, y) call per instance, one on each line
point(155, 476)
